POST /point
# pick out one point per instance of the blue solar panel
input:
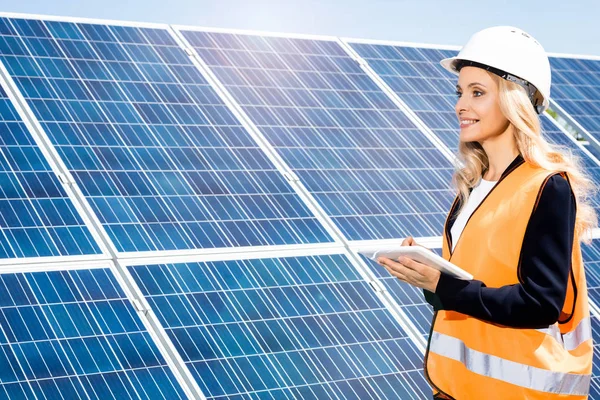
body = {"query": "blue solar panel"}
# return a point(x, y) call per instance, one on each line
point(576, 89)
point(74, 335)
point(37, 218)
point(163, 162)
point(416, 76)
point(372, 171)
point(591, 259)
point(296, 327)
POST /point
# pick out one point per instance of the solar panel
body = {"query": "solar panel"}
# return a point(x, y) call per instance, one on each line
point(365, 162)
point(73, 334)
point(416, 76)
point(591, 259)
point(37, 217)
point(576, 89)
point(305, 327)
point(162, 161)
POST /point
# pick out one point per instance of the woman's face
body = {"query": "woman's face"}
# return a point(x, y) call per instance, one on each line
point(478, 106)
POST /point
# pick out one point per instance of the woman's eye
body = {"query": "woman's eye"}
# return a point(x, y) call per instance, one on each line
point(458, 94)
point(477, 93)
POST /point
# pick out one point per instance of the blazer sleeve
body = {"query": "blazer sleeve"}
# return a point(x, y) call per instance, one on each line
point(537, 300)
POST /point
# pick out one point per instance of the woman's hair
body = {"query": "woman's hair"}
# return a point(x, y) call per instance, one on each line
point(516, 106)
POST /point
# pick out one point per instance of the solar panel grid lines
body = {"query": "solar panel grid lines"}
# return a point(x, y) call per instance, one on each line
point(268, 337)
point(398, 101)
point(364, 270)
point(344, 217)
point(150, 319)
point(263, 143)
point(317, 234)
point(255, 131)
point(404, 318)
point(69, 330)
point(38, 216)
point(413, 73)
point(55, 162)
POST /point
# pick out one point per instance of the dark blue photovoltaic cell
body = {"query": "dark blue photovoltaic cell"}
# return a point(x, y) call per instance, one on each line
point(37, 218)
point(416, 76)
point(591, 259)
point(162, 161)
point(555, 136)
point(284, 328)
point(576, 89)
point(74, 335)
point(372, 171)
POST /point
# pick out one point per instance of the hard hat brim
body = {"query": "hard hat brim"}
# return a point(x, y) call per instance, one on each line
point(449, 64)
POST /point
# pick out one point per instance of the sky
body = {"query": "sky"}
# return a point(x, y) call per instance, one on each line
point(561, 26)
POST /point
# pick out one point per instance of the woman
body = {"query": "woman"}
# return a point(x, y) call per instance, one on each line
point(521, 328)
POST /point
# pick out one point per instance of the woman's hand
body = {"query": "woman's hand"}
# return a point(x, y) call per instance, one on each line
point(410, 271)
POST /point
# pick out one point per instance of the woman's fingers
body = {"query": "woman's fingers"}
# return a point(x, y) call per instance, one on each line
point(408, 272)
point(412, 272)
point(409, 241)
point(396, 273)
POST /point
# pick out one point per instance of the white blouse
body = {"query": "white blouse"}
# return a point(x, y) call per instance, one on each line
point(477, 195)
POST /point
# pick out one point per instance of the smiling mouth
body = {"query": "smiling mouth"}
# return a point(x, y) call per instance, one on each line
point(467, 123)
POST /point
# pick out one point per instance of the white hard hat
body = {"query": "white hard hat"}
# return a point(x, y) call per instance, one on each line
point(512, 54)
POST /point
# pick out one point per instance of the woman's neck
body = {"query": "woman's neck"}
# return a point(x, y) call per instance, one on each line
point(501, 151)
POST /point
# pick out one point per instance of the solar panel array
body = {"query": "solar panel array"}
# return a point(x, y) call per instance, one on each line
point(170, 154)
point(163, 162)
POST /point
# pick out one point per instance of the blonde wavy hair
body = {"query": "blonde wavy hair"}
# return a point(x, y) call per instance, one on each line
point(516, 106)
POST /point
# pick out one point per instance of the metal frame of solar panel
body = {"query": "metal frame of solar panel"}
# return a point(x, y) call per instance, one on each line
point(324, 114)
point(576, 94)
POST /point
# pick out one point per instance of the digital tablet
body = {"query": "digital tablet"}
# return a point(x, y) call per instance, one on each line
point(421, 255)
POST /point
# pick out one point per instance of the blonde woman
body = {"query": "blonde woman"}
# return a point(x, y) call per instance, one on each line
point(521, 328)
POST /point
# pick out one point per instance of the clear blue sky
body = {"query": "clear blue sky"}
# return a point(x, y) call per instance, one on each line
point(560, 25)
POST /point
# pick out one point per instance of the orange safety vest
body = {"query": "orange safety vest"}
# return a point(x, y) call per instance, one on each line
point(468, 358)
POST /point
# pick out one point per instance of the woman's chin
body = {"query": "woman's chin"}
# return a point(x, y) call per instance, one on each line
point(468, 137)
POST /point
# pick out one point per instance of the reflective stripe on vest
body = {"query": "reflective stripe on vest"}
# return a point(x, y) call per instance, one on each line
point(573, 339)
point(509, 371)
